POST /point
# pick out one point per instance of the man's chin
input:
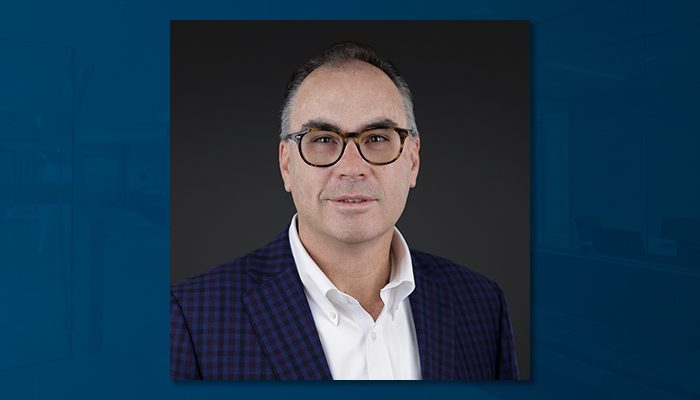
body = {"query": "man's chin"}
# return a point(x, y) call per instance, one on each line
point(353, 235)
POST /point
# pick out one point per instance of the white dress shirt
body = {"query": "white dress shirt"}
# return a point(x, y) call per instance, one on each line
point(357, 346)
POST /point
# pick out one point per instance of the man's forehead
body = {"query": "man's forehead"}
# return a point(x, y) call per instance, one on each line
point(355, 93)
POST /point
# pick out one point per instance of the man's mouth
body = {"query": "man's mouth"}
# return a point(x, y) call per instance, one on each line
point(352, 199)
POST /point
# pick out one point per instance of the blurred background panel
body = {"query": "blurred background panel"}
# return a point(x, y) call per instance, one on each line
point(36, 133)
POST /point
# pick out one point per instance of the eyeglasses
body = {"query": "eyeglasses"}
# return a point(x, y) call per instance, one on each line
point(320, 147)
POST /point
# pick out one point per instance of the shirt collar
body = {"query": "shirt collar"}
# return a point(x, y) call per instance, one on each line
point(321, 290)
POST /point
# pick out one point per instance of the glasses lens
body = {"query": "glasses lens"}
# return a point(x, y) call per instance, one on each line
point(321, 147)
point(380, 145)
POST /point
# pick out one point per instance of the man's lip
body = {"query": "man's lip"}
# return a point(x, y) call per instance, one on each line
point(352, 197)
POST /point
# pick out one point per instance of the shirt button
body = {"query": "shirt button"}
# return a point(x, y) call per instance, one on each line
point(373, 335)
point(333, 315)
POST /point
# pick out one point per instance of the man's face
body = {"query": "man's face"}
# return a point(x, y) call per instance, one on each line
point(350, 98)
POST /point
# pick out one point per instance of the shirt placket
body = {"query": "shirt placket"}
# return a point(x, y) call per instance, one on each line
point(377, 354)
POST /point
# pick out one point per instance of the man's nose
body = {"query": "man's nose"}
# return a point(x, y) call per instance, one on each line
point(351, 163)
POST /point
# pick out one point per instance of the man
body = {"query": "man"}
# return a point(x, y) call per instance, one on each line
point(338, 294)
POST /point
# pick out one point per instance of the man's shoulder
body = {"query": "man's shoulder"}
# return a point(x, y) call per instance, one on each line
point(238, 276)
point(448, 274)
point(223, 277)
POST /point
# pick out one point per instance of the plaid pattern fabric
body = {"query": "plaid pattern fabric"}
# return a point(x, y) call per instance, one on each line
point(250, 320)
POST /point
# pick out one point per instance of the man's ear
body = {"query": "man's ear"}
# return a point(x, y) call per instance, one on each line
point(284, 164)
point(414, 155)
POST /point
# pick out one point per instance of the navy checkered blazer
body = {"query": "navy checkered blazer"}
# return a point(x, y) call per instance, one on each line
point(250, 319)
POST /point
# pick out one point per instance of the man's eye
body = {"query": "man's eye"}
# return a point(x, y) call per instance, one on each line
point(323, 140)
point(376, 139)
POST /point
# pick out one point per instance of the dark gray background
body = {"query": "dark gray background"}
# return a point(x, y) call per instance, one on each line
point(471, 86)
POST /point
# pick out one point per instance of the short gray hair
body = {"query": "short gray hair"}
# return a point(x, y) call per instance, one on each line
point(338, 55)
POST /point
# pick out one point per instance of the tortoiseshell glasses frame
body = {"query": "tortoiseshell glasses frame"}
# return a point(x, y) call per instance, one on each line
point(358, 138)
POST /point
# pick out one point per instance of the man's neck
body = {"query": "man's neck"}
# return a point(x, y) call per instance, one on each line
point(361, 270)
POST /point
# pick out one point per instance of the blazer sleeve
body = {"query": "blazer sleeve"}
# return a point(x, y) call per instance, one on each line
point(507, 364)
point(183, 359)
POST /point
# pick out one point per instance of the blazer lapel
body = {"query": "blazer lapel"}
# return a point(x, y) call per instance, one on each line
point(433, 317)
point(281, 317)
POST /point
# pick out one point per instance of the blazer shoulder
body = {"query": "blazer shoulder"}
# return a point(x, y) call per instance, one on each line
point(459, 278)
point(238, 276)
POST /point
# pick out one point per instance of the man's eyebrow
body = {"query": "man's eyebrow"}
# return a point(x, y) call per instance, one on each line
point(321, 123)
point(379, 123)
